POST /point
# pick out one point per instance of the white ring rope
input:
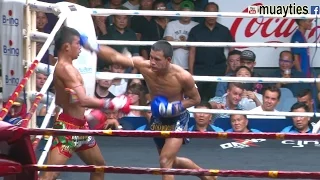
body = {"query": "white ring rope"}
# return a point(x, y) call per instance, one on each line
point(41, 37)
point(221, 111)
point(43, 68)
point(53, 8)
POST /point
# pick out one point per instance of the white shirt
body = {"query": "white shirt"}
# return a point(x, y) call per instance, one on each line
point(259, 109)
point(131, 6)
point(179, 32)
point(249, 104)
point(119, 89)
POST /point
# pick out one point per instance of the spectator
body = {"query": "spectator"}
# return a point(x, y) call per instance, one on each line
point(271, 97)
point(119, 86)
point(175, 5)
point(135, 93)
point(301, 124)
point(240, 123)
point(100, 24)
point(139, 23)
point(102, 89)
point(301, 55)
point(113, 4)
point(230, 100)
point(305, 96)
point(203, 120)
point(42, 106)
point(17, 112)
point(132, 4)
point(285, 71)
point(95, 3)
point(248, 58)
point(155, 30)
point(250, 99)
point(120, 31)
point(178, 30)
point(233, 62)
point(208, 61)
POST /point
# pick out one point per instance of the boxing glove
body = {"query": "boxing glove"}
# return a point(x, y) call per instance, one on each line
point(89, 44)
point(121, 103)
point(160, 107)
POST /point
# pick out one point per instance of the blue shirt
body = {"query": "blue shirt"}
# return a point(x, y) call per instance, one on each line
point(303, 53)
point(250, 130)
point(210, 128)
point(292, 129)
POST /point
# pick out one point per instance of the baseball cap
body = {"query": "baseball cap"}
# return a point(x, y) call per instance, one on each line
point(248, 55)
point(187, 5)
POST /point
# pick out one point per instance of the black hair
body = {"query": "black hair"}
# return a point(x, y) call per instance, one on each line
point(286, 51)
point(272, 89)
point(243, 67)
point(304, 92)
point(164, 46)
point(156, 2)
point(64, 35)
point(234, 52)
point(211, 3)
point(299, 105)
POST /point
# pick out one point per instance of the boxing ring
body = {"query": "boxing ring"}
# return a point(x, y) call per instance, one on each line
point(17, 137)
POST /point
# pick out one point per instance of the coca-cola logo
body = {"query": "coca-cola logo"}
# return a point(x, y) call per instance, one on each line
point(262, 27)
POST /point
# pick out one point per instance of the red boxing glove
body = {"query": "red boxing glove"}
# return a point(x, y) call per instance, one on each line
point(121, 103)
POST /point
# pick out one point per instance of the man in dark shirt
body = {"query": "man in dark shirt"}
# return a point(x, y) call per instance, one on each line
point(286, 71)
point(120, 31)
point(208, 61)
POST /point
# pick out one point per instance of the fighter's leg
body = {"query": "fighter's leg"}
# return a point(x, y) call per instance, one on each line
point(185, 163)
point(168, 154)
point(93, 156)
point(57, 158)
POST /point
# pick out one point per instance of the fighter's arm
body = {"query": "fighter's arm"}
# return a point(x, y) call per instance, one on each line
point(110, 55)
point(71, 82)
point(189, 90)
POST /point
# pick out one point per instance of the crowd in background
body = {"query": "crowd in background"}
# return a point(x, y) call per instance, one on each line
point(202, 61)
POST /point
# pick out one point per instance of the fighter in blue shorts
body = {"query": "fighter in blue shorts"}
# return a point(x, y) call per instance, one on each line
point(168, 85)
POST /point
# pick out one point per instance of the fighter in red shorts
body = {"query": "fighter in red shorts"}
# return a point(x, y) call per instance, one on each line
point(72, 98)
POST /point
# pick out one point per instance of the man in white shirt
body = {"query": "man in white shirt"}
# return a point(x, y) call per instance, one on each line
point(178, 30)
point(132, 4)
point(270, 98)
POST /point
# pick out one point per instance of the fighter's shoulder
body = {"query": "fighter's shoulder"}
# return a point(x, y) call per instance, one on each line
point(183, 74)
point(65, 70)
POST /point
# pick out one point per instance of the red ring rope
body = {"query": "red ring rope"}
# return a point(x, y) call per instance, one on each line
point(16, 92)
point(190, 172)
point(171, 134)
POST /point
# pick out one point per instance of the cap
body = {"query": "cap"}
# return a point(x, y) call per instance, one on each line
point(187, 5)
point(248, 55)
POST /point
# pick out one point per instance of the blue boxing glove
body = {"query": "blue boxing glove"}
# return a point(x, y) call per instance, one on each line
point(89, 44)
point(160, 107)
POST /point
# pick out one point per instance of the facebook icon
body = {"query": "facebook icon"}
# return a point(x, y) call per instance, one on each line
point(315, 10)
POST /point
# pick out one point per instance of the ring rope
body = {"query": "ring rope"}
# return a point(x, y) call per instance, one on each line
point(162, 171)
point(222, 111)
point(109, 76)
point(54, 8)
point(18, 89)
point(166, 134)
point(41, 37)
point(44, 124)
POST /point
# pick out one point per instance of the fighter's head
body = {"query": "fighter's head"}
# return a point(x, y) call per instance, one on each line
point(67, 41)
point(160, 55)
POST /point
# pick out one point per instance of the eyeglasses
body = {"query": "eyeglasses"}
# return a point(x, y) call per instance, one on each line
point(285, 61)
